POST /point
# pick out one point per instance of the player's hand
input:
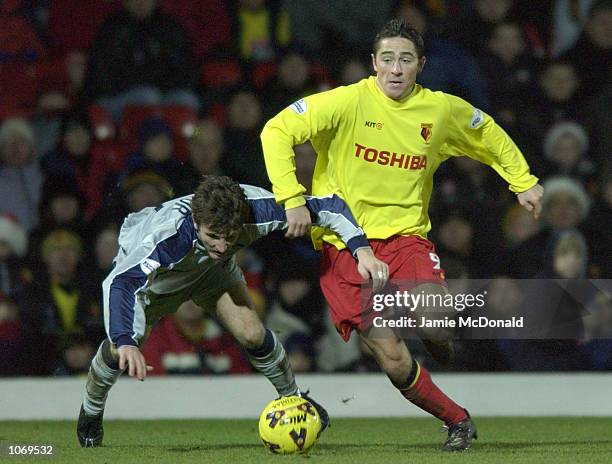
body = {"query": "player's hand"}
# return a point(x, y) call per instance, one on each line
point(131, 357)
point(298, 221)
point(370, 266)
point(531, 199)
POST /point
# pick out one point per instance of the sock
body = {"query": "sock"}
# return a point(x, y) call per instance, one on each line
point(103, 373)
point(423, 393)
point(271, 360)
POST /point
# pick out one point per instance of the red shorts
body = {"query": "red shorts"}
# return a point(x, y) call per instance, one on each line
point(409, 258)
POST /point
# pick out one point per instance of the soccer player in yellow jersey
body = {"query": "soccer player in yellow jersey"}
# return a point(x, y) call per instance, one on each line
point(378, 144)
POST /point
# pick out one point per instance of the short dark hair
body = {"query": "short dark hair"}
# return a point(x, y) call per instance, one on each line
point(220, 204)
point(398, 27)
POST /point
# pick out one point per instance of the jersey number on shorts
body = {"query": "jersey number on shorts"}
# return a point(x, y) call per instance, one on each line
point(436, 259)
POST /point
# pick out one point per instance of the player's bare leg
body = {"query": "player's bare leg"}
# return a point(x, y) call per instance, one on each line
point(438, 341)
point(103, 374)
point(415, 384)
point(265, 352)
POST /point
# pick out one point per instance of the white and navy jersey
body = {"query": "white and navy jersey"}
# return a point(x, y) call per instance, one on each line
point(159, 252)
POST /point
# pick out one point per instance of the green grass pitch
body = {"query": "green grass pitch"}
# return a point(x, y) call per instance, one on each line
point(354, 441)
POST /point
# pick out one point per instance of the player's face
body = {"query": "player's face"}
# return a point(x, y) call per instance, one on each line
point(216, 244)
point(396, 64)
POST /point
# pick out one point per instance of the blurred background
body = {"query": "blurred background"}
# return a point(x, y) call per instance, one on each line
point(107, 107)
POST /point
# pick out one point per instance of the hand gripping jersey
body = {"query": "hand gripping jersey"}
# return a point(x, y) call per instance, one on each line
point(160, 255)
point(380, 154)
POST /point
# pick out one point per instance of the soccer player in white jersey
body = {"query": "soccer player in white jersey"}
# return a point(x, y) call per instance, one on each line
point(379, 143)
point(184, 250)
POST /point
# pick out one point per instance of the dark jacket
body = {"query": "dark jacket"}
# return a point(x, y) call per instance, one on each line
point(129, 53)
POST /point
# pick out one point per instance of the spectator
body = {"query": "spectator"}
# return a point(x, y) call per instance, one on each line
point(300, 352)
point(106, 247)
point(482, 17)
point(518, 226)
point(155, 152)
point(352, 71)
point(598, 225)
point(449, 67)
point(569, 18)
point(305, 160)
point(141, 56)
point(592, 53)
point(12, 341)
point(292, 82)
point(597, 345)
point(20, 177)
point(18, 41)
point(77, 353)
point(190, 343)
point(13, 245)
point(206, 150)
point(143, 189)
point(206, 22)
point(73, 24)
point(510, 71)
point(59, 302)
point(244, 158)
point(314, 23)
point(599, 121)
point(262, 29)
point(295, 303)
point(566, 147)
point(455, 240)
point(556, 99)
point(566, 205)
point(61, 208)
point(72, 159)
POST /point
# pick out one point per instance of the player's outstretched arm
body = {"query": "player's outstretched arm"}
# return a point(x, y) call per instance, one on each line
point(531, 199)
point(370, 267)
point(132, 357)
point(298, 222)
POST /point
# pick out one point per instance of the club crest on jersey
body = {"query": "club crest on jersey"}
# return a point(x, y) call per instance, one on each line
point(299, 106)
point(426, 131)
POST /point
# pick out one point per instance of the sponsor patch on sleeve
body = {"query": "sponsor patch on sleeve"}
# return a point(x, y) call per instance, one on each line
point(477, 119)
point(299, 106)
point(149, 265)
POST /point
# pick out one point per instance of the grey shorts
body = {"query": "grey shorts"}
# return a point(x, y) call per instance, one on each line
point(205, 292)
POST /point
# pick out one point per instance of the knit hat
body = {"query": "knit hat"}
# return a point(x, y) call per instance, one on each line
point(564, 184)
point(16, 127)
point(60, 238)
point(560, 130)
point(13, 234)
point(147, 177)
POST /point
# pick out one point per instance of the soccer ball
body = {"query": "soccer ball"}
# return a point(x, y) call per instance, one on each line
point(289, 425)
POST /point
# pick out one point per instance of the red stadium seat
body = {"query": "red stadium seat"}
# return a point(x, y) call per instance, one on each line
point(182, 120)
point(221, 73)
point(263, 73)
point(132, 118)
point(110, 154)
point(18, 84)
point(218, 112)
point(52, 75)
point(319, 73)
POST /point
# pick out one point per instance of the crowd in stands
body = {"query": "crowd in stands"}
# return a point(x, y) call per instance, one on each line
point(108, 106)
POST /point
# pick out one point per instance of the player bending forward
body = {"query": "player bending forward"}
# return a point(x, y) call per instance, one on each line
point(184, 250)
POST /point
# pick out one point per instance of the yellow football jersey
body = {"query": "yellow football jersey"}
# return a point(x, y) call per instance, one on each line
point(380, 154)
